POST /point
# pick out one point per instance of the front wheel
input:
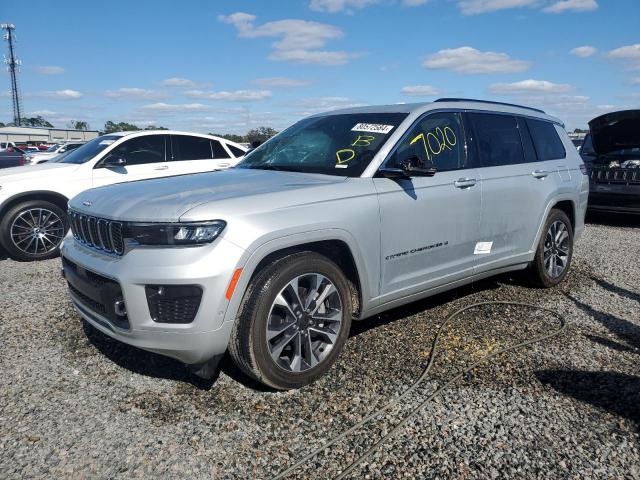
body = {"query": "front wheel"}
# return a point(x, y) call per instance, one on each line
point(554, 252)
point(294, 321)
point(33, 230)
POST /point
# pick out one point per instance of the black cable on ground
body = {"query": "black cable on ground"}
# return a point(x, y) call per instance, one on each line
point(416, 410)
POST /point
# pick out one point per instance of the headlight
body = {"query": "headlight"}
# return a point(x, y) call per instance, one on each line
point(28, 157)
point(175, 233)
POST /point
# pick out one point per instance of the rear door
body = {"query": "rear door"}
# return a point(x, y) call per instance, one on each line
point(429, 225)
point(145, 157)
point(191, 154)
point(515, 188)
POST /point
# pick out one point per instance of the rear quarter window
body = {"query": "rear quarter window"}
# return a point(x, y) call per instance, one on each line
point(546, 140)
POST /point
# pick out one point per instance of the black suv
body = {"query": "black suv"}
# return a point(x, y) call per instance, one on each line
point(611, 152)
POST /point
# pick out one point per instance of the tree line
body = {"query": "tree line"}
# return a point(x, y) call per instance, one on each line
point(259, 134)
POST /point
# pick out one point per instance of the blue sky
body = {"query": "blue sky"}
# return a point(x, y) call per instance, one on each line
point(230, 65)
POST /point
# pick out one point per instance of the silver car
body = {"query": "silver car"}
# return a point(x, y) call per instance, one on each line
point(339, 217)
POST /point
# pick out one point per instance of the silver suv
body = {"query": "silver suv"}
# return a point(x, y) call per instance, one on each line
point(341, 216)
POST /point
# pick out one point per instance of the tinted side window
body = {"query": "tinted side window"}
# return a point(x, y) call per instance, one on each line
point(527, 143)
point(546, 140)
point(236, 151)
point(437, 140)
point(218, 150)
point(141, 150)
point(497, 139)
point(190, 148)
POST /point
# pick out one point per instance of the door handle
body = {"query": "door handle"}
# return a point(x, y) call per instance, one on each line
point(464, 182)
point(540, 173)
point(161, 167)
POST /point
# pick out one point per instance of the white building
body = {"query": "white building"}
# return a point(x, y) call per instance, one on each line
point(37, 135)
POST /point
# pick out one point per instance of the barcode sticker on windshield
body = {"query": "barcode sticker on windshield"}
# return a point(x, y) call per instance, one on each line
point(372, 128)
point(106, 142)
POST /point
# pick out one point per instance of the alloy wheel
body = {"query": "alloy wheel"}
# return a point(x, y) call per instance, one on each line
point(37, 231)
point(556, 249)
point(304, 323)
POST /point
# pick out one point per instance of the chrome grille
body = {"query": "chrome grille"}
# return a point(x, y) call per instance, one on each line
point(97, 232)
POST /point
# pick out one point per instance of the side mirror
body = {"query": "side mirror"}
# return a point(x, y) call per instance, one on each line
point(113, 161)
point(414, 167)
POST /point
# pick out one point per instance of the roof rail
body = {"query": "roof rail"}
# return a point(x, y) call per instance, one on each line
point(488, 101)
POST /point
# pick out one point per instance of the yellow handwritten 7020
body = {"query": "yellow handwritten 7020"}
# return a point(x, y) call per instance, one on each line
point(436, 143)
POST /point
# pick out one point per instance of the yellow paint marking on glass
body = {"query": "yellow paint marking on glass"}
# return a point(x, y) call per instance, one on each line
point(342, 158)
point(363, 141)
point(435, 142)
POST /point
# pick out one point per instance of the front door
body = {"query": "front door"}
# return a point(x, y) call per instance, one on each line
point(145, 157)
point(429, 225)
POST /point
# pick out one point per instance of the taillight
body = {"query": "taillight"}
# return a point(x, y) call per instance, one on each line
point(583, 169)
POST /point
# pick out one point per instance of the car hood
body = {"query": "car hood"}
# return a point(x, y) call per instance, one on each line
point(615, 131)
point(167, 199)
point(31, 172)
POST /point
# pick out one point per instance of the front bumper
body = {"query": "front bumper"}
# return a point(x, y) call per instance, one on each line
point(615, 198)
point(210, 267)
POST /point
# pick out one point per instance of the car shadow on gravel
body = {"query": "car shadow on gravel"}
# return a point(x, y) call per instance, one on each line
point(618, 393)
point(623, 292)
point(615, 392)
point(142, 362)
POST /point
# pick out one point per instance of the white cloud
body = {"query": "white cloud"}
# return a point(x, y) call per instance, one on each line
point(333, 6)
point(311, 105)
point(235, 96)
point(50, 70)
point(129, 93)
point(628, 52)
point(281, 82)
point(173, 108)
point(584, 51)
point(571, 6)
point(299, 41)
point(178, 82)
point(468, 60)
point(42, 113)
point(634, 81)
point(413, 3)
point(66, 94)
point(474, 7)
point(420, 91)
point(529, 87)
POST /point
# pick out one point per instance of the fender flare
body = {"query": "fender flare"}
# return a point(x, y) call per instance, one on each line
point(252, 258)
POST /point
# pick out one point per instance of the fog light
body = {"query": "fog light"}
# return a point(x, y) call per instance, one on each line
point(173, 303)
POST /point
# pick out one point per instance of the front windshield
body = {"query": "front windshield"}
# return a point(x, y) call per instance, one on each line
point(340, 144)
point(53, 148)
point(89, 150)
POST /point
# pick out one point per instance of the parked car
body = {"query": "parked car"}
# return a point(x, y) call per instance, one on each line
point(5, 145)
point(11, 157)
point(37, 157)
point(611, 152)
point(341, 216)
point(33, 198)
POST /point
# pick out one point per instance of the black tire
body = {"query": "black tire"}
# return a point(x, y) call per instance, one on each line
point(539, 269)
point(52, 243)
point(248, 345)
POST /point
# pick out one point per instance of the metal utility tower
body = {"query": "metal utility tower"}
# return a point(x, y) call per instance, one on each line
point(13, 64)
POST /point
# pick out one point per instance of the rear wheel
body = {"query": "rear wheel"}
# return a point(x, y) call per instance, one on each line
point(33, 230)
point(294, 321)
point(555, 249)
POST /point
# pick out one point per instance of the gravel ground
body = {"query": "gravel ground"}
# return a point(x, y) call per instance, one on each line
point(76, 404)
